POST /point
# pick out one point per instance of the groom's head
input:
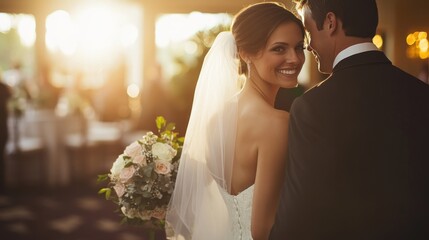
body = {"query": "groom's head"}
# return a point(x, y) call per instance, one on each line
point(334, 25)
point(359, 17)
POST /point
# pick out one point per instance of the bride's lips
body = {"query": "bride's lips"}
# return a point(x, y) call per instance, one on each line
point(288, 71)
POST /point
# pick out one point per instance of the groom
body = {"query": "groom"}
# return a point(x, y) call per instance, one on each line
point(358, 165)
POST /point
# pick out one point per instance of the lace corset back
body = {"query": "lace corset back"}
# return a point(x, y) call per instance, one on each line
point(240, 210)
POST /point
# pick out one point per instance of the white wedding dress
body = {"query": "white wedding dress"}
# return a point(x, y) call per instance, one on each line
point(240, 209)
point(201, 207)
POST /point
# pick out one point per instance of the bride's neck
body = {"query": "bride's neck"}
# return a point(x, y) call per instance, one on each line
point(267, 93)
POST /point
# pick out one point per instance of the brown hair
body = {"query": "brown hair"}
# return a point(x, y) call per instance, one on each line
point(359, 17)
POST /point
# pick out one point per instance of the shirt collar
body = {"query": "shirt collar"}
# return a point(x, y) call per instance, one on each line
point(354, 49)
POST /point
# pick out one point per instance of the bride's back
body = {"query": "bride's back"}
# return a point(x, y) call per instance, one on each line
point(257, 120)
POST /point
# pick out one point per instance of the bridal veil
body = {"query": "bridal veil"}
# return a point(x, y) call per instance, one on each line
point(197, 210)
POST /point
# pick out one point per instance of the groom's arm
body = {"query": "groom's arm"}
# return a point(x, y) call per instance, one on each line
point(304, 130)
point(278, 230)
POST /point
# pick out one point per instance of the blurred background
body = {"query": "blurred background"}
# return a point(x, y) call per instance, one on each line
point(87, 77)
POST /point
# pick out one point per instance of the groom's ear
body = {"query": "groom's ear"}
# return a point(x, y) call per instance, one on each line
point(331, 22)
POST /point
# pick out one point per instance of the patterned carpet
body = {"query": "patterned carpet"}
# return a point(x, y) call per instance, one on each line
point(71, 213)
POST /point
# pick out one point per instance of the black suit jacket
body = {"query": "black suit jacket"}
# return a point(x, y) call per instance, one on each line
point(358, 156)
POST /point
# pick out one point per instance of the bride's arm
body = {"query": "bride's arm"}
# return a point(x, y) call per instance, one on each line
point(269, 175)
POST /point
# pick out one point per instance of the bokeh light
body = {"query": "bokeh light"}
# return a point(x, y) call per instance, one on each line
point(133, 90)
point(418, 45)
point(378, 41)
point(5, 22)
point(26, 29)
point(60, 33)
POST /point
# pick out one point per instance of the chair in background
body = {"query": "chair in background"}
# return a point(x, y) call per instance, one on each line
point(25, 157)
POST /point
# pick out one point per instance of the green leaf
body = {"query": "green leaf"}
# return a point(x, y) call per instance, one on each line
point(106, 191)
point(170, 127)
point(160, 122)
point(147, 194)
point(103, 177)
point(103, 190)
point(128, 164)
point(147, 171)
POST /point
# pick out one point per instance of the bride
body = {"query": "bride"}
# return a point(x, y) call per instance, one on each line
point(233, 159)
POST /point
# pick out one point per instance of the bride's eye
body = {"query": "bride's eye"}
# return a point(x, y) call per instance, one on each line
point(301, 47)
point(278, 49)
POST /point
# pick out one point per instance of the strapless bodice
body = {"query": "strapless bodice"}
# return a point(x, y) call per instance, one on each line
point(240, 209)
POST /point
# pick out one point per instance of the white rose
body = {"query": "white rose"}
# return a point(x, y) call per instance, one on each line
point(129, 213)
point(162, 167)
point(163, 151)
point(133, 150)
point(117, 166)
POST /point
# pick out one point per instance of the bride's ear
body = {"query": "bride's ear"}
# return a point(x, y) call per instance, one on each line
point(244, 56)
point(244, 62)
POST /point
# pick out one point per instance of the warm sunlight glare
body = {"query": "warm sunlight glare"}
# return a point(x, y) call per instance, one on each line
point(97, 27)
point(5, 22)
point(129, 35)
point(191, 47)
point(133, 90)
point(26, 27)
point(93, 39)
point(93, 31)
point(174, 37)
point(171, 28)
point(60, 32)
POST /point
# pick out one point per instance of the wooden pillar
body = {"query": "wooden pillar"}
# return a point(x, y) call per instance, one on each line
point(149, 46)
point(41, 54)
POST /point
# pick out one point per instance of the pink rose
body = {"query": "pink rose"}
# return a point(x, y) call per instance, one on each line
point(158, 213)
point(133, 150)
point(127, 173)
point(140, 160)
point(145, 215)
point(162, 167)
point(119, 189)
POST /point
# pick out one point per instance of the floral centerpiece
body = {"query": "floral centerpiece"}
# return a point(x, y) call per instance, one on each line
point(142, 178)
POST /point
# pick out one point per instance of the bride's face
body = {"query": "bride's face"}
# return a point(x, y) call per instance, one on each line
point(281, 60)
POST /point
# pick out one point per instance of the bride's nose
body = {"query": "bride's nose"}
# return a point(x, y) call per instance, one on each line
point(293, 56)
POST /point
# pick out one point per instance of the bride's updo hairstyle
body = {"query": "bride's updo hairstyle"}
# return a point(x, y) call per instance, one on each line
point(253, 25)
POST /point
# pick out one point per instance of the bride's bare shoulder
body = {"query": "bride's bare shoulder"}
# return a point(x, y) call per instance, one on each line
point(264, 119)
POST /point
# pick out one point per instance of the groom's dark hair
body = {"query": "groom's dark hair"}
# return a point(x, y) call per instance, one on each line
point(359, 17)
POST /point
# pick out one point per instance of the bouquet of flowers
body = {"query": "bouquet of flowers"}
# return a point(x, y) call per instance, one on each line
point(142, 178)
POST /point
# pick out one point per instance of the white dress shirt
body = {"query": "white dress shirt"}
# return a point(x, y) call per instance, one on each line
point(354, 49)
